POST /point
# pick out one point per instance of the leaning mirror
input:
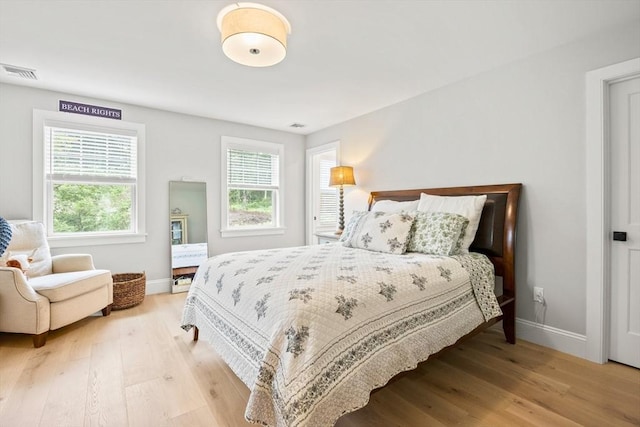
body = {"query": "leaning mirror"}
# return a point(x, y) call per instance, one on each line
point(188, 231)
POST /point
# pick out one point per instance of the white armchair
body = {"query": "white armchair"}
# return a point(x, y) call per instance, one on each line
point(55, 291)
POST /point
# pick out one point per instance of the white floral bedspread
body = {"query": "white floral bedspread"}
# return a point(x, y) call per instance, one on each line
point(312, 330)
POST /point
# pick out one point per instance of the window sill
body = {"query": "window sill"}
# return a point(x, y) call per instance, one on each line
point(95, 240)
point(251, 232)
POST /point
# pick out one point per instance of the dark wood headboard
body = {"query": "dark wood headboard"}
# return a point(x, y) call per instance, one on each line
point(496, 236)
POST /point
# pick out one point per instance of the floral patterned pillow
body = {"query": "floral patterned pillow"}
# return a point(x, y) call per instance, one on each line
point(382, 232)
point(437, 233)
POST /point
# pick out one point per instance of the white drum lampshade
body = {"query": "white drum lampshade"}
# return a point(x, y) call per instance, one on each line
point(253, 34)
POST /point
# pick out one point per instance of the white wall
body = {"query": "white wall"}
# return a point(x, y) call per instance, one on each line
point(177, 145)
point(524, 122)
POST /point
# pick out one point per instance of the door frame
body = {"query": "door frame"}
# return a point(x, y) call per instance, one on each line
point(598, 267)
point(311, 152)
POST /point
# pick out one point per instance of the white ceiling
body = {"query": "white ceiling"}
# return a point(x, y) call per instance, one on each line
point(345, 58)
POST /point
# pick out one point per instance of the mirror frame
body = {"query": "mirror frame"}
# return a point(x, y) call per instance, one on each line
point(187, 255)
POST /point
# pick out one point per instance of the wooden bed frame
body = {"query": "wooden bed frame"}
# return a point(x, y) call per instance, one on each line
point(496, 238)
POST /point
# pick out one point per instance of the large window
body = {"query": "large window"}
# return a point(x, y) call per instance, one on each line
point(251, 187)
point(91, 180)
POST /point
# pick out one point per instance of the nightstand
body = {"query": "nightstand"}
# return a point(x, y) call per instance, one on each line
point(327, 237)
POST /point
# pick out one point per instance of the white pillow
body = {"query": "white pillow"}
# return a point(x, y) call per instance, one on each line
point(392, 206)
point(382, 232)
point(27, 236)
point(468, 206)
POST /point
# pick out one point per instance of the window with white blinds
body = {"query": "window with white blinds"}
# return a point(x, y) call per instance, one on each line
point(252, 169)
point(91, 178)
point(252, 187)
point(86, 156)
point(328, 208)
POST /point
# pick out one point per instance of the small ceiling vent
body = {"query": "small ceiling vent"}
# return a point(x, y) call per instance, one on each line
point(25, 73)
point(296, 125)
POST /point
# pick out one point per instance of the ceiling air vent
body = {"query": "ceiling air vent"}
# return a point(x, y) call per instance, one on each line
point(25, 73)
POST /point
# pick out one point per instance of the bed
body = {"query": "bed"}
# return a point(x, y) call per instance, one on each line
point(313, 330)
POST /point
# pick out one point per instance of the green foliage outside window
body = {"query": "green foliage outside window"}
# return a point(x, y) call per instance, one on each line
point(85, 208)
point(250, 207)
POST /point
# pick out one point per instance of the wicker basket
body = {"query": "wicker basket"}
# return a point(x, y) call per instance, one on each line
point(128, 290)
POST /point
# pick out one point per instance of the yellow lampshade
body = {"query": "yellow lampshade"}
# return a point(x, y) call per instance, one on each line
point(253, 34)
point(341, 175)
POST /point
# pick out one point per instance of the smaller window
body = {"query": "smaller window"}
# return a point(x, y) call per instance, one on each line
point(251, 187)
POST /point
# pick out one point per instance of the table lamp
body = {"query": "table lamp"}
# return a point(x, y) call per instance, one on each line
point(341, 176)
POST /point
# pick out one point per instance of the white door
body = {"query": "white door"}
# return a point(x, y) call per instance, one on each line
point(624, 345)
point(322, 200)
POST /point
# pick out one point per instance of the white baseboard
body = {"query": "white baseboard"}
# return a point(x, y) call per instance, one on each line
point(158, 286)
point(557, 339)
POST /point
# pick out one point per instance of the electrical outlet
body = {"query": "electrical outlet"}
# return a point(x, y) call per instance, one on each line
point(538, 294)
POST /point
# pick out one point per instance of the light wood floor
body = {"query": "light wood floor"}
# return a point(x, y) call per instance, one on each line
point(138, 368)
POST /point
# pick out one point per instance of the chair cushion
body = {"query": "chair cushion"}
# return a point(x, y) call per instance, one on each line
point(63, 286)
point(29, 238)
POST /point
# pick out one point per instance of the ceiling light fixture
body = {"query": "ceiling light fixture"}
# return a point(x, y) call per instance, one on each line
point(253, 34)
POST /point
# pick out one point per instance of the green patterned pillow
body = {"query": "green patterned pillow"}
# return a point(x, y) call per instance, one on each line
point(437, 233)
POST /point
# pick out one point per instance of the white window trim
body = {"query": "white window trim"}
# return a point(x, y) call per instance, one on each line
point(251, 144)
point(40, 118)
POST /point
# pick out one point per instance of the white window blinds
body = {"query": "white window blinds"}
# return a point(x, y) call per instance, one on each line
point(328, 214)
point(251, 169)
point(90, 156)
